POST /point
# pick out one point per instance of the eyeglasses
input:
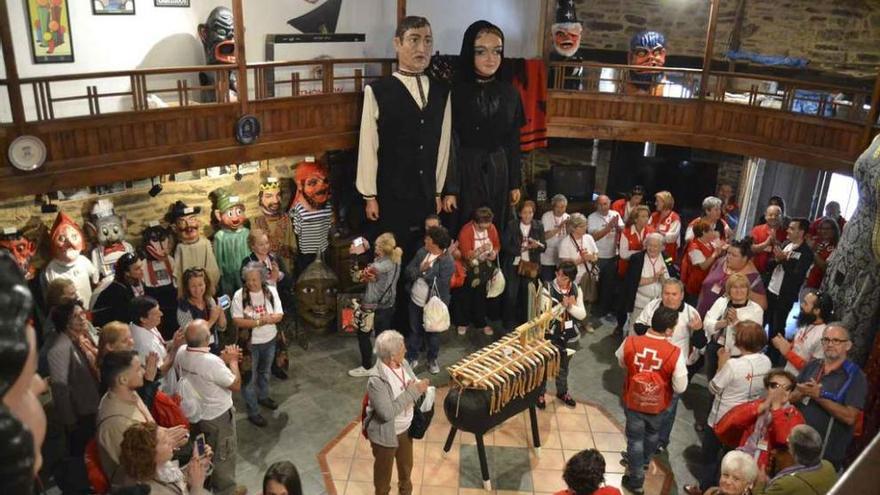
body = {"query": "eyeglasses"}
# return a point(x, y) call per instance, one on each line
point(826, 341)
point(190, 271)
point(775, 385)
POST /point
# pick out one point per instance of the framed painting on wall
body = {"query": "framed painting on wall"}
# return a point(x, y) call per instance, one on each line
point(113, 7)
point(171, 3)
point(49, 27)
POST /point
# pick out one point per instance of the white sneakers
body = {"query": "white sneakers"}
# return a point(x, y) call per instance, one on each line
point(359, 372)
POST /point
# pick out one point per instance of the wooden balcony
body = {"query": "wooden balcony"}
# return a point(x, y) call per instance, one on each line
point(106, 127)
point(787, 120)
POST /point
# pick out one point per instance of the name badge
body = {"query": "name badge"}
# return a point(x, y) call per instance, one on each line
point(795, 255)
point(716, 289)
point(569, 324)
point(516, 261)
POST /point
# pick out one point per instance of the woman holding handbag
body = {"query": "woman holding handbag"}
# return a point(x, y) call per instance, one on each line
point(480, 244)
point(580, 248)
point(431, 267)
point(381, 277)
point(521, 246)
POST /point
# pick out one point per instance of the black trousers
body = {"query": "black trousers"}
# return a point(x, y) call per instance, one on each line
point(711, 454)
point(382, 319)
point(562, 377)
point(777, 312)
point(469, 306)
point(607, 286)
point(516, 301)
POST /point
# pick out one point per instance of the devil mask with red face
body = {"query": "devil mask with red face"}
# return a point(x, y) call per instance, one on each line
point(312, 183)
point(67, 239)
point(21, 248)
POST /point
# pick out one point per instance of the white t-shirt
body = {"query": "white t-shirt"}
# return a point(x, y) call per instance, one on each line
point(568, 250)
point(147, 340)
point(209, 377)
point(550, 221)
point(80, 272)
point(398, 378)
point(258, 308)
point(807, 344)
point(607, 245)
point(739, 381)
point(751, 312)
point(779, 273)
point(681, 335)
point(524, 229)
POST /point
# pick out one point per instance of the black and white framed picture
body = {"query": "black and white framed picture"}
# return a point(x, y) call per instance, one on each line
point(113, 7)
point(171, 3)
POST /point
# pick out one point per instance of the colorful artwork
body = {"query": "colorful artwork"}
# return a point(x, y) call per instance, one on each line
point(113, 7)
point(171, 3)
point(49, 23)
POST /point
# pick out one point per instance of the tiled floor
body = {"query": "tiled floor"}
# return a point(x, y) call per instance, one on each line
point(347, 461)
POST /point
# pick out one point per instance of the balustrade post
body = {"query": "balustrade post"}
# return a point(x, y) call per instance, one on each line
point(327, 77)
point(240, 59)
point(873, 114)
point(707, 63)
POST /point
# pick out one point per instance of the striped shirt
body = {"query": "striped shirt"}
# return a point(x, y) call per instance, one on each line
point(312, 228)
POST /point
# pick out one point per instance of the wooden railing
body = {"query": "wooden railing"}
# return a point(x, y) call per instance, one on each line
point(781, 119)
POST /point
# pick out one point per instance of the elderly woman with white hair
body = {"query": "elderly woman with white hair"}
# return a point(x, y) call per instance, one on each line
point(257, 307)
point(553, 222)
point(739, 471)
point(712, 211)
point(644, 278)
point(392, 391)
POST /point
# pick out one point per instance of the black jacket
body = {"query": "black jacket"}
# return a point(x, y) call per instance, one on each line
point(511, 241)
point(113, 304)
point(795, 268)
point(634, 275)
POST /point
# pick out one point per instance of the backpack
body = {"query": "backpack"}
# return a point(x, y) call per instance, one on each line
point(167, 411)
point(435, 316)
point(648, 391)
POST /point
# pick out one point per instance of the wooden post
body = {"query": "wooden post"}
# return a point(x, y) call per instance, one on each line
point(401, 10)
point(707, 63)
point(240, 59)
point(14, 86)
point(873, 113)
point(710, 46)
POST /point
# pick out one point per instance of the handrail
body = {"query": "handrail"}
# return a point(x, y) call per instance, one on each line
point(288, 63)
point(127, 73)
point(600, 65)
point(791, 81)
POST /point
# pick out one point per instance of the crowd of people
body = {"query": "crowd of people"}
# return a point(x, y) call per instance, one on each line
point(144, 408)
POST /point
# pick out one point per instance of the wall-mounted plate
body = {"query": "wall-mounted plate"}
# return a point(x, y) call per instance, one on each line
point(27, 153)
point(247, 129)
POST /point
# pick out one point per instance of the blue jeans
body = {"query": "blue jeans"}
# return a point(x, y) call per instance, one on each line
point(666, 429)
point(642, 437)
point(262, 356)
point(417, 333)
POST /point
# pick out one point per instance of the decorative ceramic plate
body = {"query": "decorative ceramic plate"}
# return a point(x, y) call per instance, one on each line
point(27, 153)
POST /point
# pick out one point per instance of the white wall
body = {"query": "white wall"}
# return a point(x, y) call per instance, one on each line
point(162, 37)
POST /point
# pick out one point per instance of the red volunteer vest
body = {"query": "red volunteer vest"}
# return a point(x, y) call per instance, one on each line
point(663, 226)
point(635, 244)
point(692, 275)
point(643, 354)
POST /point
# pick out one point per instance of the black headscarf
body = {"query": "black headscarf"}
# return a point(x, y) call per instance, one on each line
point(466, 71)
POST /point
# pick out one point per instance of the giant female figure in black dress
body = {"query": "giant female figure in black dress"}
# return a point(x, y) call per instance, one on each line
point(486, 117)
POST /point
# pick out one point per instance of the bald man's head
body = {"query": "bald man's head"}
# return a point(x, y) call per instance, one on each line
point(603, 203)
point(198, 333)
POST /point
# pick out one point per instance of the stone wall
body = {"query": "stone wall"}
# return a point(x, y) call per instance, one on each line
point(139, 208)
point(840, 36)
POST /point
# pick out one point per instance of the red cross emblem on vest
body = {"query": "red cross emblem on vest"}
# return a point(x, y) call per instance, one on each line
point(647, 360)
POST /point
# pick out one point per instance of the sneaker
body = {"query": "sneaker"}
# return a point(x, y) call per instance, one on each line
point(566, 398)
point(626, 484)
point(574, 339)
point(461, 330)
point(542, 404)
point(359, 372)
point(589, 328)
point(693, 490)
point(433, 367)
point(268, 403)
point(661, 449)
point(413, 364)
point(487, 330)
point(258, 420)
